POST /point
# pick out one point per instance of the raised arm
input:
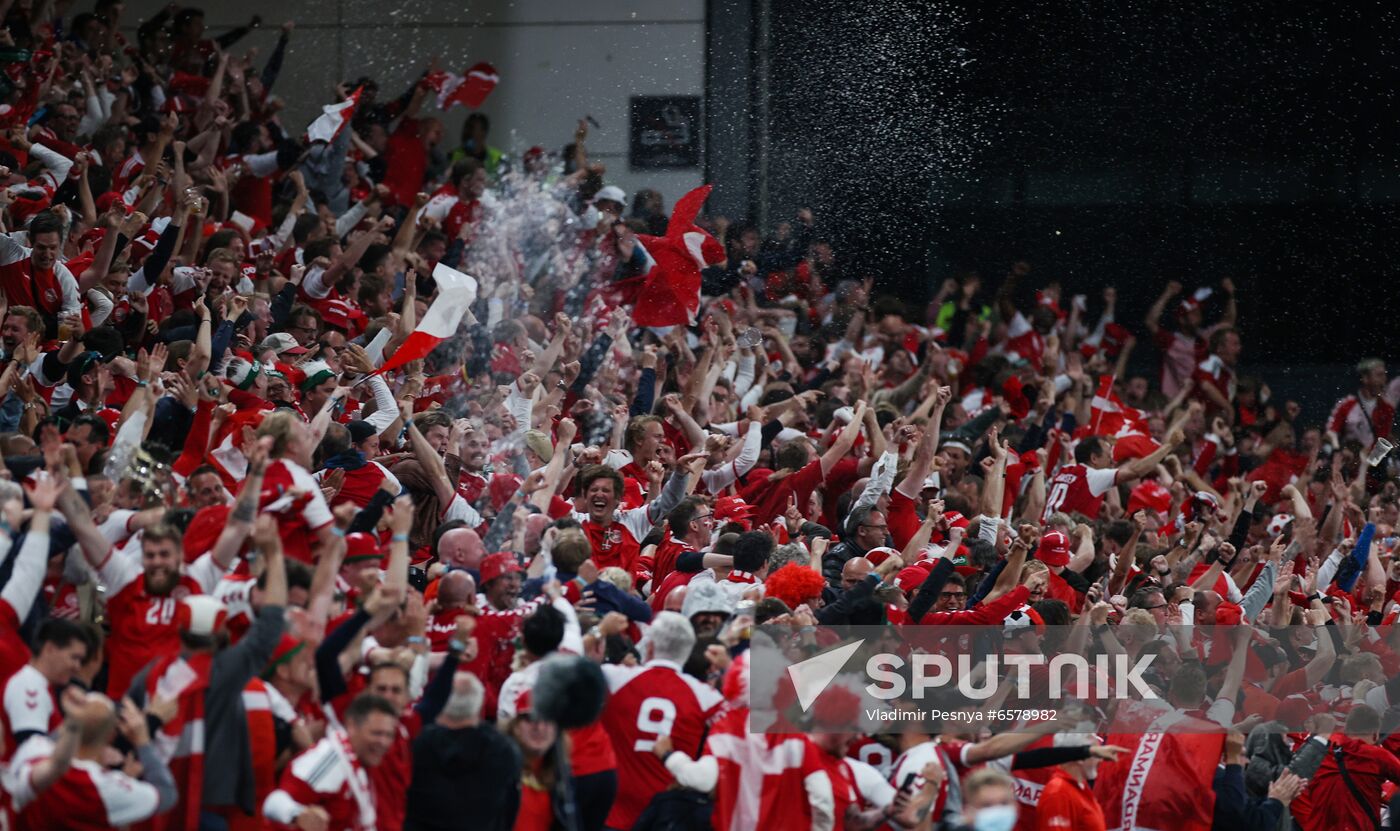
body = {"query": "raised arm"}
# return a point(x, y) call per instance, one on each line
point(1123, 566)
point(240, 520)
point(1138, 468)
point(431, 462)
point(1154, 314)
point(844, 441)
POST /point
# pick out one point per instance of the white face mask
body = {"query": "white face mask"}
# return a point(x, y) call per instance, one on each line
point(995, 818)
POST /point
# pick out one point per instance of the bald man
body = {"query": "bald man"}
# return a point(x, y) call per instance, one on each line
point(675, 601)
point(461, 548)
point(455, 596)
point(855, 571)
point(535, 525)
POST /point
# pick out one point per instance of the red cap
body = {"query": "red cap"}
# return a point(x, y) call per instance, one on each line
point(360, 546)
point(733, 508)
point(1228, 614)
point(910, 578)
point(1150, 495)
point(1054, 549)
point(880, 554)
point(287, 648)
point(105, 202)
point(497, 565)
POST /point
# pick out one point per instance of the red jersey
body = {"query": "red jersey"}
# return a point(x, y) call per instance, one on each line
point(1024, 342)
point(647, 702)
point(360, 484)
point(1068, 804)
point(29, 707)
point(766, 780)
point(1078, 489)
point(1058, 589)
point(49, 290)
point(14, 652)
point(667, 553)
point(619, 542)
point(326, 776)
point(441, 625)
point(408, 162)
point(391, 777)
point(873, 753)
point(590, 749)
point(1214, 373)
point(89, 797)
point(299, 517)
point(770, 499)
point(495, 636)
point(143, 624)
point(471, 486)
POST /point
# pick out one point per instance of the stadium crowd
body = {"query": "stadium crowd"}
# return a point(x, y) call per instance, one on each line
point(283, 552)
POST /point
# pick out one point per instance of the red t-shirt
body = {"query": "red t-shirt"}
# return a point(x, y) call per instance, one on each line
point(770, 500)
point(441, 625)
point(408, 162)
point(299, 518)
point(647, 702)
point(1078, 489)
point(319, 777)
point(143, 628)
point(89, 797)
point(1066, 803)
point(29, 707)
point(14, 652)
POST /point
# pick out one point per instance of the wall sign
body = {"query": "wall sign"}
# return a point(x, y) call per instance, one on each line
point(665, 131)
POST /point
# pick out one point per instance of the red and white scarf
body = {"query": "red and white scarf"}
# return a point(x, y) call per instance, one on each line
point(181, 739)
point(356, 779)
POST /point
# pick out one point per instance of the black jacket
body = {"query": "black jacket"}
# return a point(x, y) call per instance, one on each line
point(467, 777)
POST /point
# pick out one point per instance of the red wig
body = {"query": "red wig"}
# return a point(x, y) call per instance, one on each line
point(794, 585)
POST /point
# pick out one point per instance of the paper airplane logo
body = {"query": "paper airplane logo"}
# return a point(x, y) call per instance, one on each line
point(812, 676)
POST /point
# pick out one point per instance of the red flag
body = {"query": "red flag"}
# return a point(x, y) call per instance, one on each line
point(333, 119)
point(1108, 415)
point(470, 89)
point(670, 292)
point(1166, 779)
point(456, 293)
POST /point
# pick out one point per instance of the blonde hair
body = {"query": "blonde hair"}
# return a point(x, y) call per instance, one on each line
point(280, 425)
point(1137, 625)
point(1032, 567)
point(617, 576)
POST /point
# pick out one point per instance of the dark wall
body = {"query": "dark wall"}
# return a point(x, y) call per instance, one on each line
point(1107, 143)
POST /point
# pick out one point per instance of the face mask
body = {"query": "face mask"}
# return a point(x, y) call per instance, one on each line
point(995, 818)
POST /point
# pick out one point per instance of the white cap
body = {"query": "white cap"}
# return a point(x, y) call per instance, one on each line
point(201, 614)
point(612, 193)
